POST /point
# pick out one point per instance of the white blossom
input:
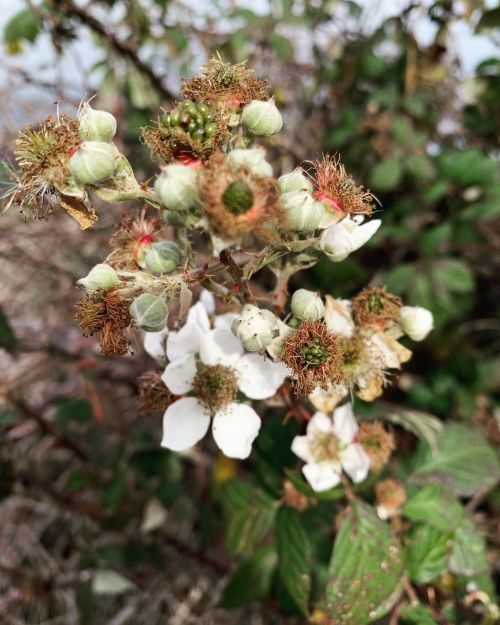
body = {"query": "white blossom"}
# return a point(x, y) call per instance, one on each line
point(346, 236)
point(329, 447)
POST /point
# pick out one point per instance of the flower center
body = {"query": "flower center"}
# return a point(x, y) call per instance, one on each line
point(215, 387)
point(238, 197)
point(375, 303)
point(313, 354)
point(325, 447)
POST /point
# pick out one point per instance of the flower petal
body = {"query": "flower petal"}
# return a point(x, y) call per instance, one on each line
point(154, 344)
point(345, 425)
point(235, 428)
point(186, 341)
point(321, 476)
point(208, 300)
point(326, 401)
point(258, 377)
point(198, 314)
point(338, 317)
point(355, 462)
point(363, 233)
point(185, 422)
point(225, 320)
point(220, 347)
point(320, 422)
point(300, 447)
point(179, 374)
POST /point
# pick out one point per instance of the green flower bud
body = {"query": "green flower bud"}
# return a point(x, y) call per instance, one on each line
point(253, 158)
point(162, 257)
point(93, 162)
point(295, 181)
point(255, 327)
point(176, 187)
point(101, 276)
point(262, 118)
point(303, 212)
point(307, 305)
point(96, 125)
point(149, 312)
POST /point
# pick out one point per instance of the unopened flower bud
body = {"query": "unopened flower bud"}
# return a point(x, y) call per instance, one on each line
point(416, 322)
point(253, 158)
point(307, 305)
point(162, 257)
point(255, 327)
point(96, 125)
point(101, 276)
point(295, 181)
point(303, 212)
point(93, 162)
point(176, 187)
point(262, 118)
point(149, 312)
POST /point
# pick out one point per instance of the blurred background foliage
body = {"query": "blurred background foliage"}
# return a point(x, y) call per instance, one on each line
point(388, 92)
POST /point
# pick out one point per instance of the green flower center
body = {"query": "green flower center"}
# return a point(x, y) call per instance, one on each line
point(215, 387)
point(238, 197)
point(313, 353)
point(325, 447)
point(375, 303)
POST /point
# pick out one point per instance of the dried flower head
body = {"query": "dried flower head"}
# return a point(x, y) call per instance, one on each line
point(390, 498)
point(338, 191)
point(43, 155)
point(106, 313)
point(313, 354)
point(189, 131)
point(131, 241)
point(377, 442)
point(154, 397)
point(376, 307)
point(294, 498)
point(237, 202)
point(223, 85)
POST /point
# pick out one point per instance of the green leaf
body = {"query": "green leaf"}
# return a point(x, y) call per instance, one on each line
point(249, 512)
point(418, 615)
point(489, 20)
point(453, 274)
point(464, 462)
point(427, 553)
point(8, 339)
point(252, 580)
point(424, 425)
point(365, 570)
point(73, 410)
point(468, 556)
point(294, 553)
point(386, 175)
point(436, 506)
point(22, 25)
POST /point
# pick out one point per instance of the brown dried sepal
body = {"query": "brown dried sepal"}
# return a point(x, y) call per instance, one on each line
point(154, 397)
point(338, 190)
point(376, 307)
point(222, 85)
point(377, 443)
point(105, 313)
point(264, 219)
point(309, 375)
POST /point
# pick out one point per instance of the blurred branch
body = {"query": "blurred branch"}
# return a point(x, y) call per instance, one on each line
point(69, 8)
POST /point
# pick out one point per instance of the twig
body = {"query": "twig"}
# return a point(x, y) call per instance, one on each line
point(125, 49)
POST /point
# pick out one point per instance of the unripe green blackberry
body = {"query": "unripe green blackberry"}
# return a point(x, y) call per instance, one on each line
point(162, 256)
point(194, 118)
point(149, 312)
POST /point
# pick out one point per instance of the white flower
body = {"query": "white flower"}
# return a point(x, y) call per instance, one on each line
point(212, 364)
point(346, 236)
point(328, 448)
point(154, 344)
point(416, 322)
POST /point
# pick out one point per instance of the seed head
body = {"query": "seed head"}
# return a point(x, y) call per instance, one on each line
point(376, 307)
point(377, 442)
